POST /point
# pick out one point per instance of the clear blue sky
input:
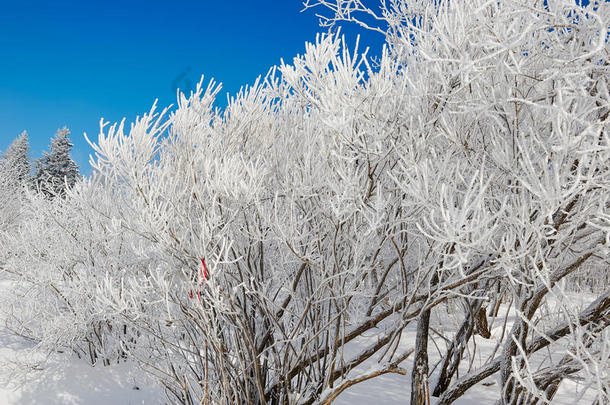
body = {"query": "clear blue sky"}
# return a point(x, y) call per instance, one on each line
point(72, 62)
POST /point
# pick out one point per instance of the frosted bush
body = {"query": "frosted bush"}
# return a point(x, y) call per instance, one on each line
point(336, 198)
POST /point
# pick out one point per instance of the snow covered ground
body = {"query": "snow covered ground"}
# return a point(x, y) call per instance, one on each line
point(65, 379)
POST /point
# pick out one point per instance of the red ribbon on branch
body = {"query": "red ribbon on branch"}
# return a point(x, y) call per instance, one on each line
point(204, 275)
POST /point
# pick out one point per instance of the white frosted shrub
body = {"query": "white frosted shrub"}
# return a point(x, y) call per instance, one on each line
point(338, 199)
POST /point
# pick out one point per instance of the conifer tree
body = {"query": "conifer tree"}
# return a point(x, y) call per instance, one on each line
point(56, 171)
point(15, 165)
point(14, 172)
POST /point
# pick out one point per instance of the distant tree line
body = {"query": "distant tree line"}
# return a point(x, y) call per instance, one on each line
point(54, 173)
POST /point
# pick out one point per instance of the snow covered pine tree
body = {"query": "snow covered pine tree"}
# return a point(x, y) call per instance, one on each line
point(56, 171)
point(14, 174)
point(15, 163)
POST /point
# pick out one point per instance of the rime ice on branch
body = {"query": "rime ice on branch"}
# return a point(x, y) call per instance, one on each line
point(457, 189)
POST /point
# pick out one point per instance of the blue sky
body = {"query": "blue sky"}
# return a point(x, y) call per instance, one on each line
point(71, 63)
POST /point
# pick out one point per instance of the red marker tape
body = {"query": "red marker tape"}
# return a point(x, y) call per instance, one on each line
point(204, 275)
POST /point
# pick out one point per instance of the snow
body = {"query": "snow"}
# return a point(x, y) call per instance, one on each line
point(71, 381)
point(64, 379)
point(394, 389)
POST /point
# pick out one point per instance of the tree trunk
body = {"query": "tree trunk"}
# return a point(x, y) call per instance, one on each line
point(419, 377)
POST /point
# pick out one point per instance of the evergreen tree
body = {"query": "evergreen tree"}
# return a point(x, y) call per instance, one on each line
point(14, 172)
point(15, 165)
point(56, 171)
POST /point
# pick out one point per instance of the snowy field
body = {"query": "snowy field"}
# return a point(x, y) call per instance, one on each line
point(65, 379)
